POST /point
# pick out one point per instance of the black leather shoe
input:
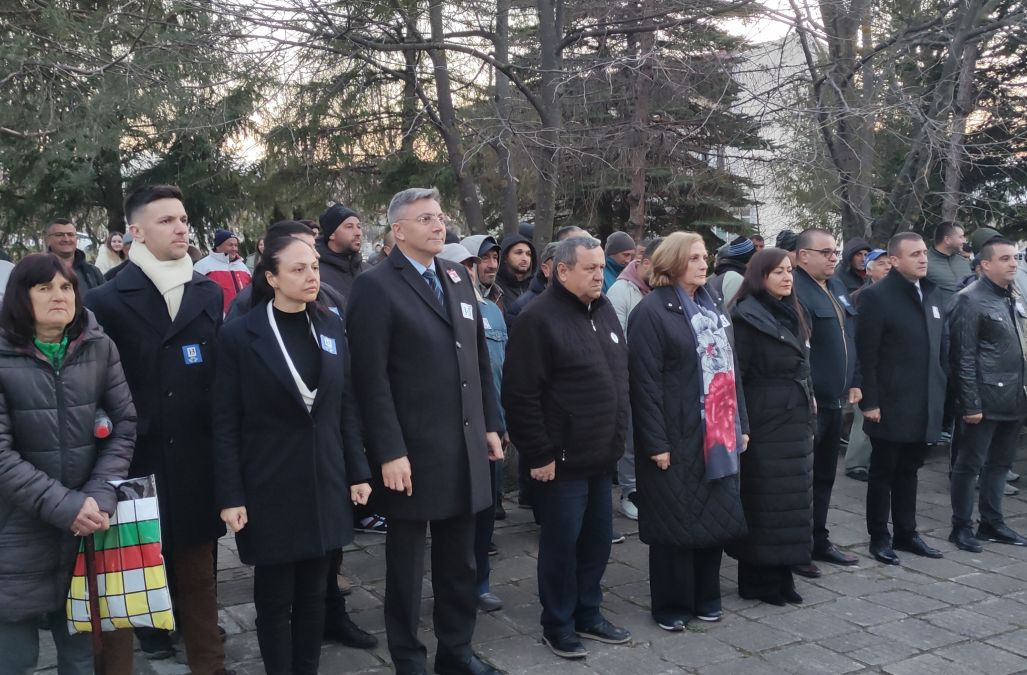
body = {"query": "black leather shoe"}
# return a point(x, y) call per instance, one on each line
point(565, 645)
point(964, 539)
point(604, 631)
point(859, 473)
point(471, 665)
point(340, 628)
point(1001, 534)
point(791, 597)
point(883, 553)
point(832, 555)
point(914, 544)
point(809, 571)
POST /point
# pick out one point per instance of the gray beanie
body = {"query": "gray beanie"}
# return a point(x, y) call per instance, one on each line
point(618, 242)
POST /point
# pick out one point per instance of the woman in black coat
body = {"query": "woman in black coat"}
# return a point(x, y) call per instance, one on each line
point(289, 459)
point(690, 426)
point(772, 342)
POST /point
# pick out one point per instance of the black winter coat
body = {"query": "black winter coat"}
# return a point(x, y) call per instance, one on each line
point(986, 333)
point(339, 270)
point(535, 288)
point(833, 356)
point(423, 381)
point(899, 339)
point(565, 390)
point(291, 469)
point(170, 369)
point(677, 507)
point(776, 468)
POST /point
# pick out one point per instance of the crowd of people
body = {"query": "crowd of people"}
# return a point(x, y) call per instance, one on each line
point(324, 394)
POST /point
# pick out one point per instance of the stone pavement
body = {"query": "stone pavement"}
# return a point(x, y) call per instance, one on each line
point(964, 614)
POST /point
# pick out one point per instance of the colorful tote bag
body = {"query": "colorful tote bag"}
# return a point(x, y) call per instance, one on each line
point(131, 583)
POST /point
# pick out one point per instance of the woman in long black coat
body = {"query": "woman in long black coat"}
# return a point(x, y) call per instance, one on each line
point(771, 339)
point(288, 452)
point(689, 425)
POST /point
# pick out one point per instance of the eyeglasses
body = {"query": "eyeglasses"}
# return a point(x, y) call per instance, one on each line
point(826, 252)
point(429, 219)
point(63, 235)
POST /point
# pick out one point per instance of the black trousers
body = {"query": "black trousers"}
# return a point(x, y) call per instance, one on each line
point(986, 449)
point(757, 581)
point(290, 603)
point(453, 583)
point(892, 487)
point(335, 601)
point(683, 582)
point(826, 447)
point(484, 526)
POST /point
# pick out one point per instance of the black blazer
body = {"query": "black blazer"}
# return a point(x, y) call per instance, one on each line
point(290, 468)
point(424, 385)
point(899, 339)
point(832, 350)
point(170, 370)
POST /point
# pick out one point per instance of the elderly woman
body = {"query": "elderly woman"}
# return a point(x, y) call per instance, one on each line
point(112, 253)
point(772, 341)
point(689, 430)
point(56, 369)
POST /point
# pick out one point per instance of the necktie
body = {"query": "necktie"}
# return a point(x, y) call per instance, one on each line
point(436, 287)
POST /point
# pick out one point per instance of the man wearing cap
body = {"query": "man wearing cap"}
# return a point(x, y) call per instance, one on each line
point(946, 266)
point(485, 248)
point(852, 268)
point(729, 268)
point(517, 261)
point(339, 248)
point(224, 267)
point(786, 241)
point(620, 249)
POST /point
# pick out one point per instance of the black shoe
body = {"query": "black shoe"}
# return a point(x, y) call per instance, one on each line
point(525, 503)
point(500, 511)
point(471, 665)
point(675, 626)
point(914, 544)
point(617, 538)
point(222, 633)
point(963, 538)
point(832, 555)
point(565, 645)
point(809, 571)
point(859, 473)
point(775, 599)
point(604, 631)
point(493, 549)
point(489, 602)
point(1001, 534)
point(710, 617)
point(155, 644)
point(340, 628)
point(883, 553)
point(791, 597)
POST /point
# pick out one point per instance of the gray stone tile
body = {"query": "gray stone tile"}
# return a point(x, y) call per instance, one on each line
point(952, 593)
point(861, 612)
point(811, 624)
point(916, 633)
point(749, 665)
point(928, 663)
point(969, 624)
point(751, 636)
point(811, 659)
point(980, 655)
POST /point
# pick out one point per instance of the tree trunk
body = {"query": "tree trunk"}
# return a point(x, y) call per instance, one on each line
point(509, 207)
point(546, 158)
point(642, 75)
point(410, 102)
point(954, 156)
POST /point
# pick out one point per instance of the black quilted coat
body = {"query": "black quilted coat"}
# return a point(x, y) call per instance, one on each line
point(776, 469)
point(677, 507)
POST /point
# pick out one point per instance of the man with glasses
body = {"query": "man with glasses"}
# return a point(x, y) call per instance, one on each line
point(62, 241)
point(833, 365)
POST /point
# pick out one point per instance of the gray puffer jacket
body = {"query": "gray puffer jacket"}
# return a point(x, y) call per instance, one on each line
point(50, 461)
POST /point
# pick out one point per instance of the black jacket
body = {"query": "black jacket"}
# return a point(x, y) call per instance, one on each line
point(170, 370)
point(565, 384)
point(899, 339)
point(986, 333)
point(832, 344)
point(115, 271)
point(512, 288)
point(776, 469)
point(423, 380)
point(535, 288)
point(677, 507)
point(290, 468)
point(338, 270)
point(845, 272)
point(327, 297)
point(89, 275)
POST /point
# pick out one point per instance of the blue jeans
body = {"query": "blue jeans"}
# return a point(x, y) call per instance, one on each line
point(574, 546)
point(19, 646)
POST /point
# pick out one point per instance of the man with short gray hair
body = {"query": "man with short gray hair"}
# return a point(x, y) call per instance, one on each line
point(565, 393)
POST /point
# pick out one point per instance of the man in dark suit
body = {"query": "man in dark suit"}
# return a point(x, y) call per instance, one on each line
point(899, 339)
point(422, 378)
point(165, 319)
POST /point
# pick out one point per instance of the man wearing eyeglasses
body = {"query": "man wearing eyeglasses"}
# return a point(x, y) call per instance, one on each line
point(833, 365)
point(62, 241)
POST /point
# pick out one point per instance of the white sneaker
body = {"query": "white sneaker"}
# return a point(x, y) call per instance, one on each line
point(627, 506)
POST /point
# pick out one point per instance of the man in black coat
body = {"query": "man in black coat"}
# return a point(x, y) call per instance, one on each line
point(565, 394)
point(423, 381)
point(833, 364)
point(339, 248)
point(165, 319)
point(987, 330)
point(62, 241)
point(517, 263)
point(899, 338)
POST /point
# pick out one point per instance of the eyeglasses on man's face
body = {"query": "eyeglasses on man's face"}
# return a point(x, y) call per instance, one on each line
point(428, 219)
point(826, 252)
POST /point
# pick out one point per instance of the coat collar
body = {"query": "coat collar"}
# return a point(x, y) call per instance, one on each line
point(415, 281)
point(752, 311)
point(139, 293)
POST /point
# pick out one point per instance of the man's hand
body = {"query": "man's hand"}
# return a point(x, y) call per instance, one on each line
point(89, 519)
point(872, 415)
point(855, 395)
point(495, 446)
point(546, 473)
point(973, 419)
point(745, 442)
point(662, 460)
point(235, 517)
point(396, 475)
point(359, 493)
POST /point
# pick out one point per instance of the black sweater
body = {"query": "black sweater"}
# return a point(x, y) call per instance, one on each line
point(299, 342)
point(565, 384)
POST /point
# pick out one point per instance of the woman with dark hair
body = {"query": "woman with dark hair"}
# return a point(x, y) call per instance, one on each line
point(57, 368)
point(772, 342)
point(112, 253)
point(289, 461)
point(690, 427)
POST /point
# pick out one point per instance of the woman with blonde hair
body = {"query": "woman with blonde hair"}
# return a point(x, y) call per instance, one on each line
point(112, 253)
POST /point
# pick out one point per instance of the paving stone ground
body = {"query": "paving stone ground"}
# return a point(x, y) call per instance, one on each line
point(965, 614)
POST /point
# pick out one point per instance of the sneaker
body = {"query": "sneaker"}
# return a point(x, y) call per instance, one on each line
point(711, 617)
point(373, 524)
point(493, 549)
point(618, 538)
point(604, 631)
point(565, 645)
point(628, 506)
point(1012, 476)
point(1010, 490)
point(489, 602)
point(155, 644)
point(675, 626)
point(945, 438)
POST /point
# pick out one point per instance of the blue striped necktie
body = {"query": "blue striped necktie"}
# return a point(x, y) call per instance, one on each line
point(436, 287)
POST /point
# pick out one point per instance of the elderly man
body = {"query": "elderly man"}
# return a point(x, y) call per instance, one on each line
point(422, 376)
point(224, 267)
point(62, 241)
point(567, 360)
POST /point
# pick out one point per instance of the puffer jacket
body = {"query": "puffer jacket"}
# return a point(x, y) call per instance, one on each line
point(986, 332)
point(50, 462)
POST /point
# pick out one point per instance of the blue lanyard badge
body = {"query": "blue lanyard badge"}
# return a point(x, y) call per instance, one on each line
point(192, 355)
point(328, 344)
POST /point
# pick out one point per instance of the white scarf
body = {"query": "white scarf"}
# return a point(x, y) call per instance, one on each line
point(306, 393)
point(169, 276)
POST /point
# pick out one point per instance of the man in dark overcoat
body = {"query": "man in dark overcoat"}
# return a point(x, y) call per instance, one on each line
point(424, 385)
point(165, 319)
point(899, 332)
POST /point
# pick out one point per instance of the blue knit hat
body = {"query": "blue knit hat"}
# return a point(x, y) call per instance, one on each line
point(740, 248)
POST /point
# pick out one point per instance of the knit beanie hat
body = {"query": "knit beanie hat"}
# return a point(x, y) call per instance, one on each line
point(333, 217)
point(786, 239)
point(618, 242)
point(981, 236)
point(740, 248)
point(220, 237)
